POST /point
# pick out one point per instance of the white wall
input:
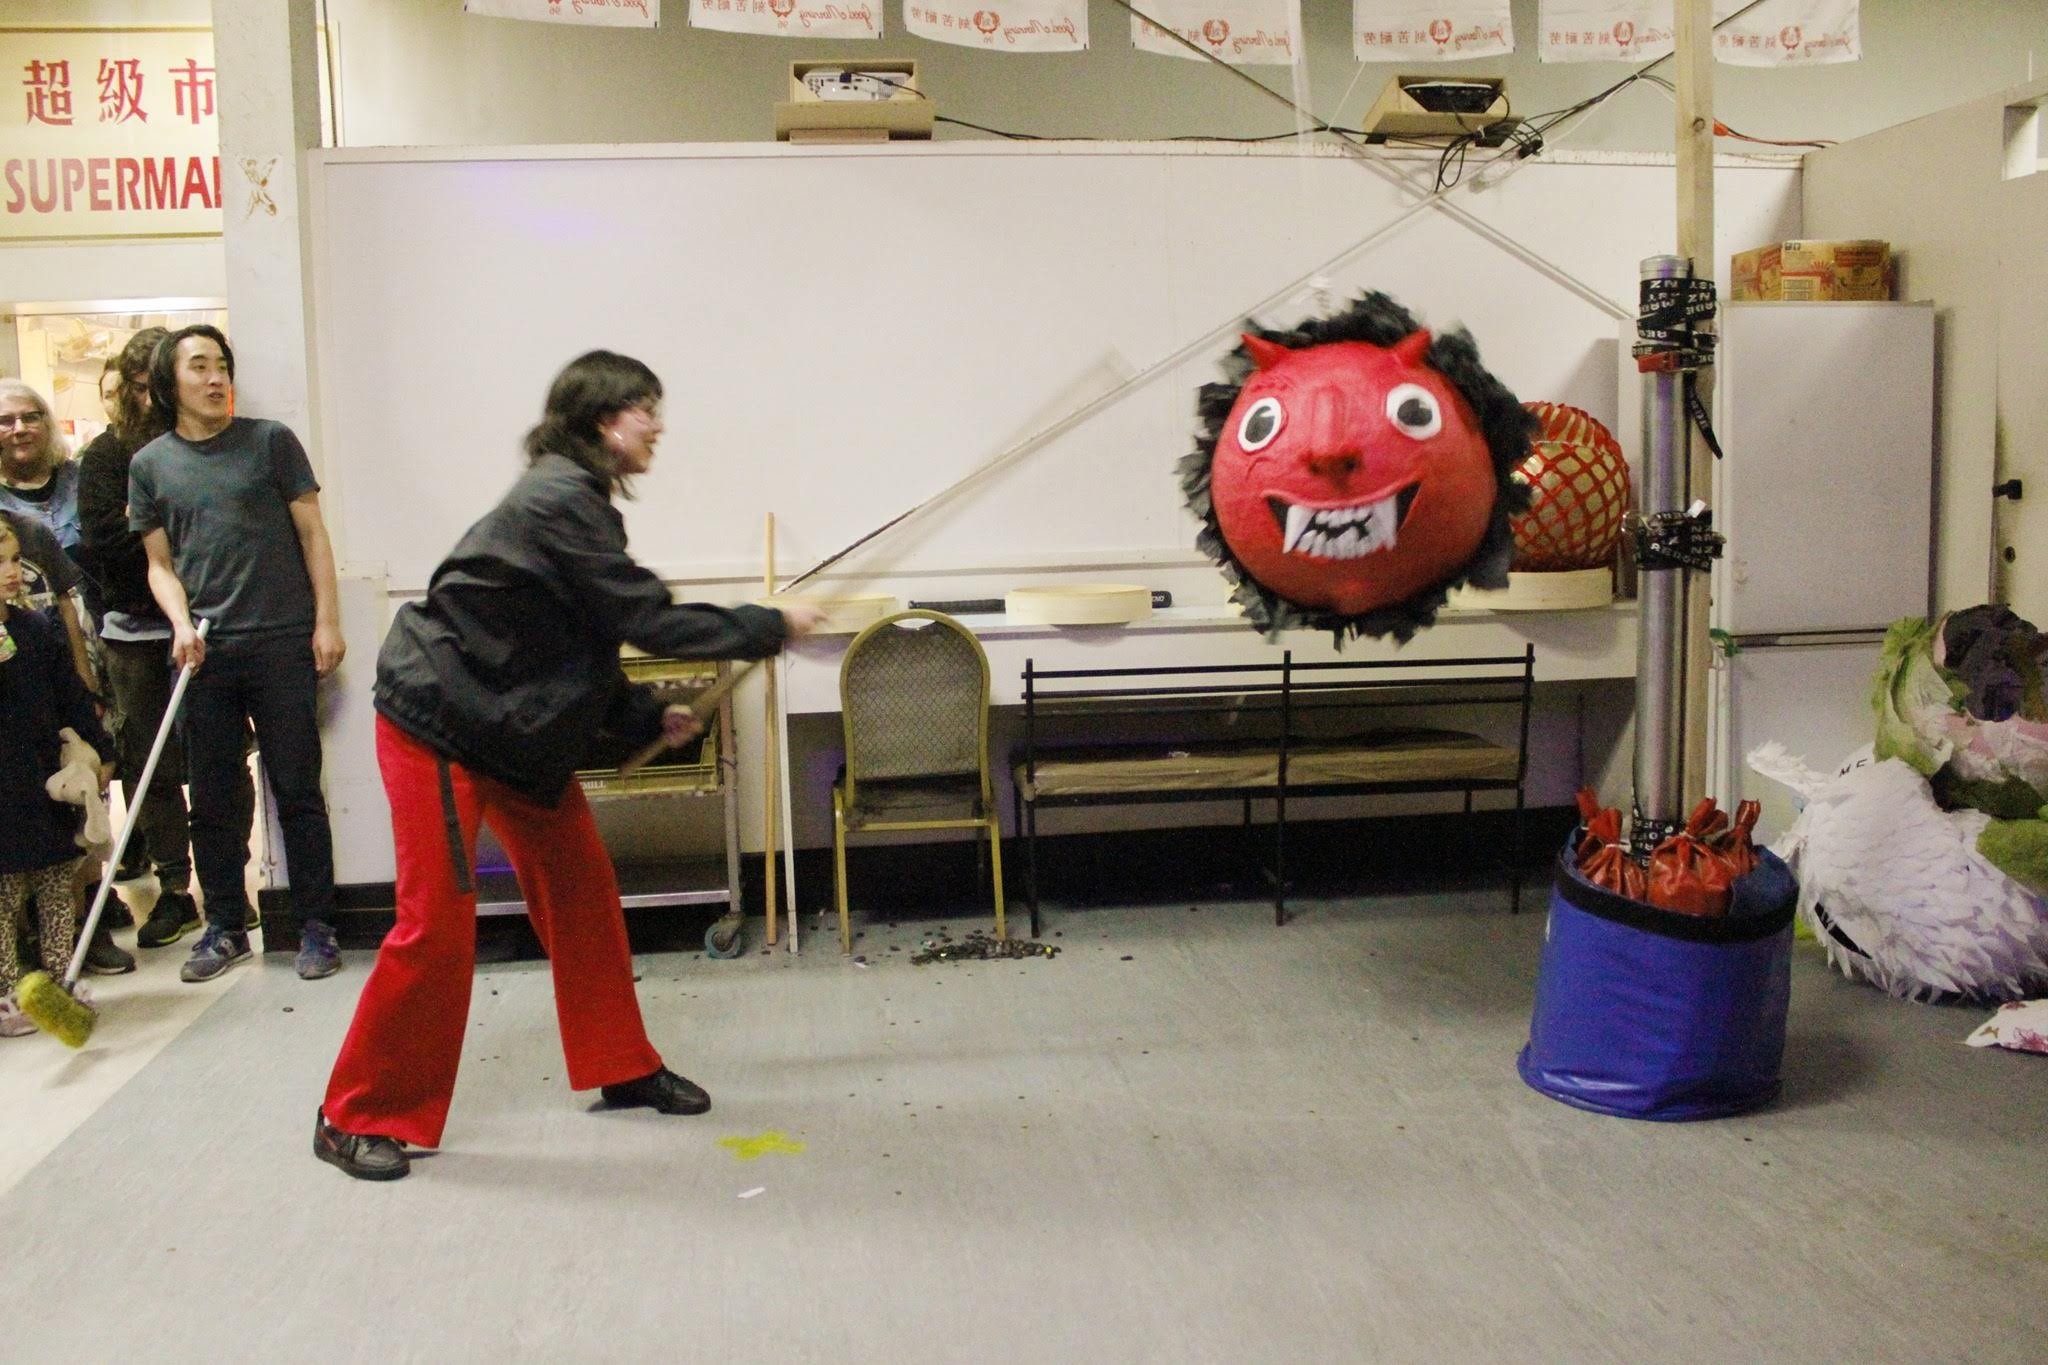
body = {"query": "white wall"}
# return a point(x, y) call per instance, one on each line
point(420, 71)
point(45, 272)
point(809, 309)
point(1931, 187)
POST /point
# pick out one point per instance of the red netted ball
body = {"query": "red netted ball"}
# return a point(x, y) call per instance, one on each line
point(1578, 482)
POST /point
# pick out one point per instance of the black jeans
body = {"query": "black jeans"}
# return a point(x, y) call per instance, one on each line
point(141, 675)
point(267, 680)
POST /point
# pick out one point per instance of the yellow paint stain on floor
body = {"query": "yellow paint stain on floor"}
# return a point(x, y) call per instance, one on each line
point(752, 1148)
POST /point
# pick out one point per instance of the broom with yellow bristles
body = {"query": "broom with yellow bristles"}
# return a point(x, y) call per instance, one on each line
point(54, 1006)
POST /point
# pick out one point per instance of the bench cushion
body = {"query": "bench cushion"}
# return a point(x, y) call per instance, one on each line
point(1407, 755)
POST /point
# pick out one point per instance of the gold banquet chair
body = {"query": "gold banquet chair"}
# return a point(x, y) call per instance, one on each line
point(914, 696)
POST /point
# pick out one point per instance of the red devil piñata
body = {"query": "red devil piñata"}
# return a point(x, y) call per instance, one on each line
point(1353, 471)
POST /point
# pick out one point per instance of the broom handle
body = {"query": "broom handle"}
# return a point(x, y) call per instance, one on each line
point(704, 706)
point(141, 789)
point(770, 769)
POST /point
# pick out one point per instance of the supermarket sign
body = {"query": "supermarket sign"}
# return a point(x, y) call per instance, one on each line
point(108, 132)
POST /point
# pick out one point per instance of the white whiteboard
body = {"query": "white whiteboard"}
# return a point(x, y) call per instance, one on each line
point(845, 331)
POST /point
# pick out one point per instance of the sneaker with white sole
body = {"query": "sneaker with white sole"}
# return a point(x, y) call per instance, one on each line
point(216, 951)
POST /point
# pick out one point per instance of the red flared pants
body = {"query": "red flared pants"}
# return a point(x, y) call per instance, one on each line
point(396, 1072)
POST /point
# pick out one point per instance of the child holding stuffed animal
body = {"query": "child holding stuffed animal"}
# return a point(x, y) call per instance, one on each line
point(40, 696)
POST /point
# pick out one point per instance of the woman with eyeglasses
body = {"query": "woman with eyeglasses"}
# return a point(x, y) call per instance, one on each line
point(490, 692)
point(39, 486)
point(37, 478)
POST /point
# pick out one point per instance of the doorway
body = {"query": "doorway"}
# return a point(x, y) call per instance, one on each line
point(60, 350)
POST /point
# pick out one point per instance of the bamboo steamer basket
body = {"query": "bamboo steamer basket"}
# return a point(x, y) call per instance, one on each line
point(1079, 604)
point(1566, 590)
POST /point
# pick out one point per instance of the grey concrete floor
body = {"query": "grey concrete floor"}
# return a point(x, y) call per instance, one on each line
point(1192, 1136)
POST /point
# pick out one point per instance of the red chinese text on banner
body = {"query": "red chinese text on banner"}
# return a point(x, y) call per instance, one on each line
point(1775, 33)
point(1603, 30)
point(1242, 32)
point(609, 13)
point(1789, 33)
point(790, 18)
point(1430, 30)
point(108, 133)
point(1008, 26)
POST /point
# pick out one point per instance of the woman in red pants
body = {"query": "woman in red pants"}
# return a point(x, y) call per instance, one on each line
point(489, 693)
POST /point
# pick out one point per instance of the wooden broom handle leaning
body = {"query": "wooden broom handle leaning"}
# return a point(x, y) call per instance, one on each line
point(771, 771)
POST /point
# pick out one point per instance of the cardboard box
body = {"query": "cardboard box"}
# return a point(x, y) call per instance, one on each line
point(907, 113)
point(1396, 113)
point(1813, 272)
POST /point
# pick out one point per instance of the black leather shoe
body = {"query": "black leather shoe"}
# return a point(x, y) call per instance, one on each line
point(663, 1091)
point(366, 1157)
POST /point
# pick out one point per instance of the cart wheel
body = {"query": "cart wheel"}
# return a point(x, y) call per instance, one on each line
point(730, 946)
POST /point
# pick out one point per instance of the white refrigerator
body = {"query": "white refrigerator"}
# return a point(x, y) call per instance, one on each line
point(1826, 497)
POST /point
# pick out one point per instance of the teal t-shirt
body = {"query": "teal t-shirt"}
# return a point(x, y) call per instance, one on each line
point(225, 505)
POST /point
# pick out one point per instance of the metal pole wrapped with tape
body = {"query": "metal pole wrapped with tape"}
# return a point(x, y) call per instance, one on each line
point(1660, 638)
point(1674, 538)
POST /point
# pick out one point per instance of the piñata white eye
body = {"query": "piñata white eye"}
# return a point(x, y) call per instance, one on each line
point(1413, 411)
point(1261, 424)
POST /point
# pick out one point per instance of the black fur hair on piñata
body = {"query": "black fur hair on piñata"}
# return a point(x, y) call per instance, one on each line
point(1506, 426)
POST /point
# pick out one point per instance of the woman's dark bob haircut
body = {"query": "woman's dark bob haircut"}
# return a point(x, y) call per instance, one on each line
point(590, 390)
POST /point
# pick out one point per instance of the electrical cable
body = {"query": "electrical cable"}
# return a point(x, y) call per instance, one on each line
point(1528, 144)
point(1527, 135)
point(1557, 116)
point(1427, 197)
point(1721, 129)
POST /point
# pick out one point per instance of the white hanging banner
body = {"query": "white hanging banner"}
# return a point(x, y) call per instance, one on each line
point(1789, 33)
point(610, 13)
point(1603, 30)
point(1001, 25)
point(789, 18)
point(1775, 33)
point(1242, 32)
point(1430, 30)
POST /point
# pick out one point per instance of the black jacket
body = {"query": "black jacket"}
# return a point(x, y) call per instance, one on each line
point(510, 665)
point(39, 694)
point(111, 552)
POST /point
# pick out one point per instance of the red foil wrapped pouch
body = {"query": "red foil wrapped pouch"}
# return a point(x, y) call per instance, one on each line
point(1687, 874)
point(1738, 847)
point(1602, 858)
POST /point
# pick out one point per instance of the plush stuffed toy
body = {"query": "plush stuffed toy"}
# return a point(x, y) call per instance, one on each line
point(1351, 472)
point(77, 783)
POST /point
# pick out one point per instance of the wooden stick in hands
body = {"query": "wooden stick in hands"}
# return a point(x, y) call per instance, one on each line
point(680, 724)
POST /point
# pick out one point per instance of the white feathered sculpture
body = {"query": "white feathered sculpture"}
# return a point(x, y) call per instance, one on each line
point(1895, 889)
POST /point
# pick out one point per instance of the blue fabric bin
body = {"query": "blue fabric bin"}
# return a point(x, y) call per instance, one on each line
point(1647, 1014)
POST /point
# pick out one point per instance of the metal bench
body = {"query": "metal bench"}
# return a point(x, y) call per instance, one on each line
point(1162, 754)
